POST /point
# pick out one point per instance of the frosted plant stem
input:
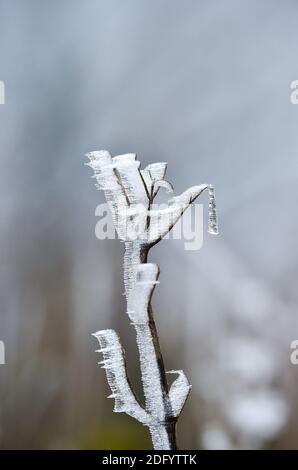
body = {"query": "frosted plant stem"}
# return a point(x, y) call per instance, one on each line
point(155, 388)
point(153, 371)
point(135, 253)
point(168, 429)
point(164, 437)
point(130, 192)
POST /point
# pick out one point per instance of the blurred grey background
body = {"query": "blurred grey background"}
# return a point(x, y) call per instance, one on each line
point(204, 85)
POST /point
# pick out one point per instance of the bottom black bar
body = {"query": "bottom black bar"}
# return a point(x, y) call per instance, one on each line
point(132, 459)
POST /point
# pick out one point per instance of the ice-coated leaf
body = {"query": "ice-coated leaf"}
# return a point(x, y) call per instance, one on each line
point(98, 159)
point(188, 196)
point(162, 221)
point(130, 192)
point(125, 157)
point(130, 177)
point(179, 392)
point(152, 174)
point(114, 364)
point(157, 171)
point(163, 184)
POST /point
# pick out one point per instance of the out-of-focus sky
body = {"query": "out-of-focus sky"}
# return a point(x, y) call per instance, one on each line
point(205, 86)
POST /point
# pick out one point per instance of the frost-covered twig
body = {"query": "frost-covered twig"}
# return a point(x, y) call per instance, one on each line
point(130, 193)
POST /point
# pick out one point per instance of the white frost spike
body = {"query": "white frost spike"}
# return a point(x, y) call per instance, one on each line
point(212, 216)
point(98, 159)
point(130, 193)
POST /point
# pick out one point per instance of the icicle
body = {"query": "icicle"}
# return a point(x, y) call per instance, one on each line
point(212, 220)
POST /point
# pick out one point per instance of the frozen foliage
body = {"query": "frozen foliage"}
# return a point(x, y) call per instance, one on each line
point(130, 193)
point(114, 364)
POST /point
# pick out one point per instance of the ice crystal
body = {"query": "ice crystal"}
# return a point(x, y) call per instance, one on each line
point(130, 192)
